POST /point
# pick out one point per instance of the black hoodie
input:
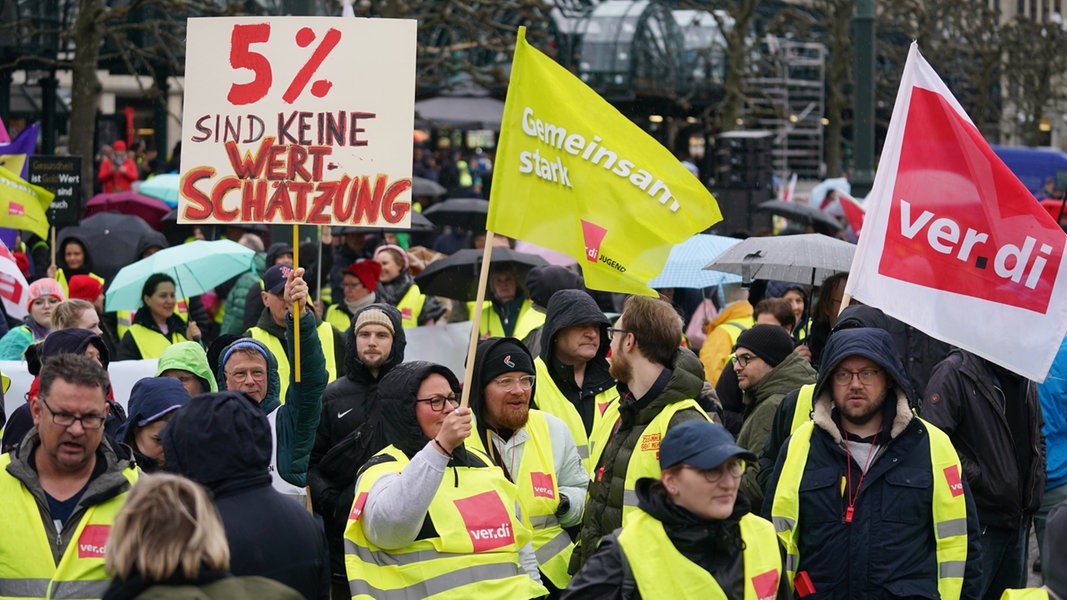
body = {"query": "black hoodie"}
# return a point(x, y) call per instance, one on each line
point(223, 442)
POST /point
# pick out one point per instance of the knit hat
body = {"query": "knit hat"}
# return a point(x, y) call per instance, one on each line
point(769, 342)
point(544, 280)
point(507, 355)
point(119, 145)
point(367, 271)
point(45, 287)
point(397, 250)
point(373, 316)
point(85, 287)
point(274, 279)
point(1053, 565)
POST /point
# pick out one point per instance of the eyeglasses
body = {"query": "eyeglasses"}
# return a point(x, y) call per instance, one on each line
point(867, 376)
point(742, 360)
point(89, 422)
point(255, 374)
point(614, 330)
point(525, 382)
point(735, 468)
point(437, 403)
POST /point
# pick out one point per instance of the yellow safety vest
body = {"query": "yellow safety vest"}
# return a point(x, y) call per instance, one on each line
point(277, 348)
point(661, 571)
point(338, 318)
point(528, 320)
point(539, 496)
point(1026, 594)
point(124, 318)
point(27, 567)
point(410, 307)
point(802, 412)
point(644, 460)
point(551, 400)
point(950, 512)
point(61, 279)
point(735, 327)
point(152, 343)
point(475, 553)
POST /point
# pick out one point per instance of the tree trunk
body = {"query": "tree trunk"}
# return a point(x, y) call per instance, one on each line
point(88, 36)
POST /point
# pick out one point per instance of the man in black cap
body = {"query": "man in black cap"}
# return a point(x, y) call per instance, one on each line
point(270, 329)
point(767, 369)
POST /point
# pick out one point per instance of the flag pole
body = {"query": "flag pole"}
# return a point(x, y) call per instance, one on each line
point(52, 232)
point(296, 307)
point(476, 318)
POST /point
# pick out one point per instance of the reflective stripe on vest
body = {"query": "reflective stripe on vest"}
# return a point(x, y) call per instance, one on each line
point(27, 568)
point(410, 307)
point(476, 553)
point(606, 412)
point(338, 318)
point(538, 487)
point(802, 412)
point(277, 348)
point(528, 320)
point(661, 571)
point(644, 459)
point(152, 343)
point(949, 506)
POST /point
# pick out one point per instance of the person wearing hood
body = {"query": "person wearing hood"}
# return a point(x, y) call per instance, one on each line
point(271, 329)
point(237, 296)
point(279, 253)
point(767, 369)
point(247, 365)
point(42, 299)
point(396, 286)
point(155, 325)
point(415, 530)
point(72, 259)
point(187, 362)
point(542, 282)
point(224, 443)
point(573, 370)
point(869, 500)
point(153, 401)
point(351, 422)
point(535, 450)
point(694, 534)
point(659, 383)
point(360, 281)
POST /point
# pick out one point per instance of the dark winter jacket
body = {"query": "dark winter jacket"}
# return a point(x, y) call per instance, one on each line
point(683, 380)
point(568, 308)
point(1002, 451)
point(223, 442)
point(233, 319)
point(208, 585)
point(347, 404)
point(712, 544)
point(889, 548)
point(128, 349)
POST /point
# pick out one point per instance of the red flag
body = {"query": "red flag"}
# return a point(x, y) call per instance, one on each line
point(953, 243)
point(853, 210)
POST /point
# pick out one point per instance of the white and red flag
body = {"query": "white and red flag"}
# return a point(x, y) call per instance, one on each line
point(953, 243)
point(14, 291)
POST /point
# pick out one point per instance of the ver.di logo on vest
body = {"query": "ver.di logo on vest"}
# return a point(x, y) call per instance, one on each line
point(543, 486)
point(92, 543)
point(487, 521)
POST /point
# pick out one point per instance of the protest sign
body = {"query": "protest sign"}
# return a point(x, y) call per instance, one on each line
point(953, 243)
point(298, 120)
point(574, 175)
point(60, 175)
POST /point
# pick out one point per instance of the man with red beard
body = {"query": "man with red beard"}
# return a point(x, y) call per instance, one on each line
point(535, 450)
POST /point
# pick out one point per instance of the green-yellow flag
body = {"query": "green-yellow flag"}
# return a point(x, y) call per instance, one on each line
point(574, 175)
point(23, 205)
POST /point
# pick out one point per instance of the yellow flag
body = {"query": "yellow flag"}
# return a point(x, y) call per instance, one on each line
point(574, 175)
point(23, 205)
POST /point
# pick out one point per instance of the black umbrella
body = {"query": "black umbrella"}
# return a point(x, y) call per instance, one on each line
point(799, 212)
point(468, 213)
point(420, 186)
point(456, 277)
point(113, 240)
point(418, 223)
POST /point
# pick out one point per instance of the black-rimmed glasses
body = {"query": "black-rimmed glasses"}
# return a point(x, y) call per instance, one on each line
point(437, 403)
point(614, 330)
point(89, 422)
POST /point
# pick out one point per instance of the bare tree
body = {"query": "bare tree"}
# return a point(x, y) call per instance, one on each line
point(1034, 64)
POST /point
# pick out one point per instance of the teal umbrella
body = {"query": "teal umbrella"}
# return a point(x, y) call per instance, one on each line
point(162, 187)
point(196, 267)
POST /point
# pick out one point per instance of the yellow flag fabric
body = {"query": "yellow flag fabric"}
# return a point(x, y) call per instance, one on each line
point(574, 175)
point(23, 205)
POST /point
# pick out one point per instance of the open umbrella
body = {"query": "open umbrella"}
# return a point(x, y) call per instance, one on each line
point(112, 240)
point(818, 193)
point(553, 257)
point(465, 106)
point(809, 258)
point(420, 186)
point(685, 264)
point(152, 210)
point(456, 277)
point(799, 212)
point(196, 267)
point(468, 213)
point(418, 223)
point(163, 186)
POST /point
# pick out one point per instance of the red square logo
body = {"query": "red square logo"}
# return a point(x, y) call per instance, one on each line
point(766, 585)
point(92, 543)
point(542, 485)
point(357, 506)
point(487, 521)
point(955, 484)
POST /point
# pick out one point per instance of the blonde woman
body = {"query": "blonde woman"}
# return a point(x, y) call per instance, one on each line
point(168, 542)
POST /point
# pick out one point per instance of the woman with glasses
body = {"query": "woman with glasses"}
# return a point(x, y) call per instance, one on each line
point(694, 536)
point(431, 516)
